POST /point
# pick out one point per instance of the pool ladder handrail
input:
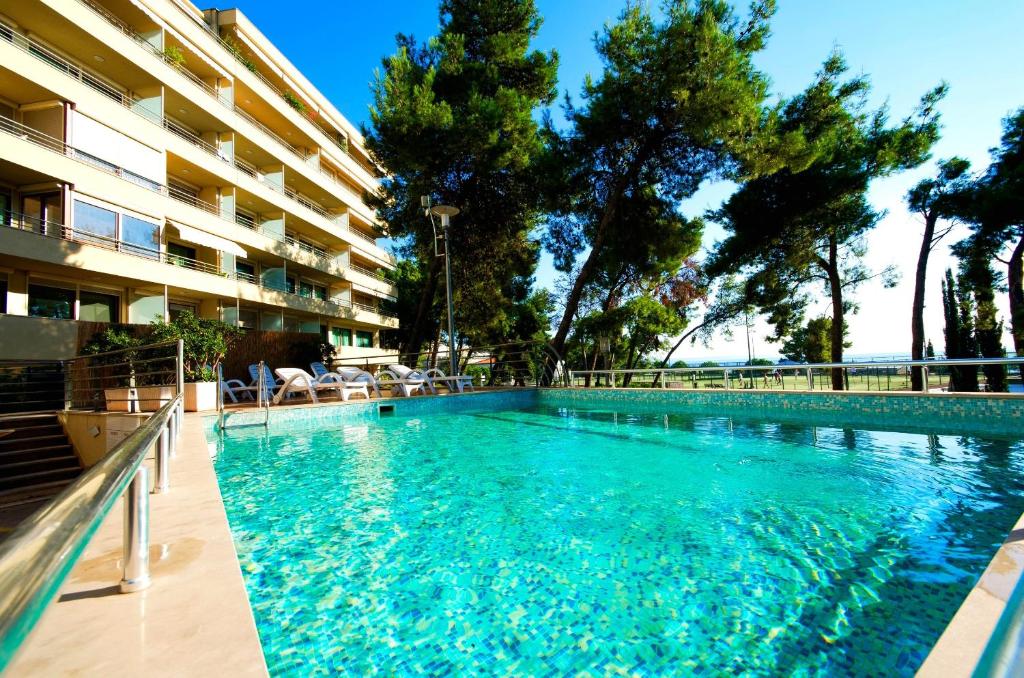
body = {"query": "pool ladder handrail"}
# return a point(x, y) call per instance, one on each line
point(262, 401)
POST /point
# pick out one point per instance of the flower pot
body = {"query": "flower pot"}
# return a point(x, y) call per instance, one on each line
point(120, 399)
point(152, 398)
point(200, 396)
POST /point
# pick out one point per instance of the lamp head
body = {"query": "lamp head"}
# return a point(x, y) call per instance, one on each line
point(446, 212)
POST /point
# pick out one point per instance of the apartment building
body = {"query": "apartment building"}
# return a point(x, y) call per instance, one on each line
point(155, 157)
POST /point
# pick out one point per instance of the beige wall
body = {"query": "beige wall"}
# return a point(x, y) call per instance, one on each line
point(93, 434)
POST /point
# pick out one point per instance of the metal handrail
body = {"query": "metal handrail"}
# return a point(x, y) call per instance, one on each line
point(37, 557)
point(1003, 655)
point(808, 368)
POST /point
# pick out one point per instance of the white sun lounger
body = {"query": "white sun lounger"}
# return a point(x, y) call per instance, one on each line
point(354, 374)
point(349, 386)
point(402, 380)
point(301, 381)
point(455, 383)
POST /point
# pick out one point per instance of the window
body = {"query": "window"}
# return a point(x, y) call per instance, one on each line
point(320, 292)
point(306, 289)
point(140, 237)
point(364, 339)
point(180, 255)
point(341, 336)
point(289, 284)
point(292, 324)
point(97, 307)
point(51, 302)
point(247, 318)
point(245, 271)
point(175, 310)
point(3, 294)
point(95, 224)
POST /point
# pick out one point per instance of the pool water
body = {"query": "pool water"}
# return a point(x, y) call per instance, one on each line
point(553, 541)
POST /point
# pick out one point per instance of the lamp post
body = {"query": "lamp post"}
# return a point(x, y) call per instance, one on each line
point(446, 212)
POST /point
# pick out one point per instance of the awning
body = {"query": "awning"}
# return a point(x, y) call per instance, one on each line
point(194, 235)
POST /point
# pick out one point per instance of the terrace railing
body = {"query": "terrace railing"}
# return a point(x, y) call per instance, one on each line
point(525, 363)
point(37, 556)
point(890, 375)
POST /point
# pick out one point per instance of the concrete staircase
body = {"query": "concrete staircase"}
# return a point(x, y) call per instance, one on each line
point(36, 458)
point(35, 387)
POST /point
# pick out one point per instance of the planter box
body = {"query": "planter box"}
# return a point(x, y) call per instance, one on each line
point(120, 399)
point(200, 396)
point(152, 398)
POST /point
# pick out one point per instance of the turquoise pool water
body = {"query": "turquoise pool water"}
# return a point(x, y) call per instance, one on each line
point(552, 541)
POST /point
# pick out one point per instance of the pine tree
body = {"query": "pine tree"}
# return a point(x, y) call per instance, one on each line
point(453, 119)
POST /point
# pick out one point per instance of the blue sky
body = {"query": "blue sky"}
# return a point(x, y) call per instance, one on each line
point(905, 46)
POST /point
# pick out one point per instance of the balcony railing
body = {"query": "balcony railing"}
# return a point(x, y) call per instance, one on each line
point(26, 133)
point(132, 104)
point(54, 60)
point(368, 272)
point(34, 136)
point(49, 229)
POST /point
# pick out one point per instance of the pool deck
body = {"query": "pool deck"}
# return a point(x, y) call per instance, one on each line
point(193, 620)
point(961, 644)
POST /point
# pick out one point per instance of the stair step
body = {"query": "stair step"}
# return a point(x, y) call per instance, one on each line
point(35, 478)
point(14, 456)
point(24, 432)
point(15, 468)
point(21, 419)
point(24, 443)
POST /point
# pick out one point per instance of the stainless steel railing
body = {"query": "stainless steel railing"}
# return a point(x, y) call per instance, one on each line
point(509, 364)
point(38, 555)
point(801, 376)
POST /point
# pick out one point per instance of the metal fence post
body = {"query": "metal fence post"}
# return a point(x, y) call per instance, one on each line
point(161, 481)
point(172, 433)
point(725, 374)
point(924, 379)
point(810, 379)
point(136, 534)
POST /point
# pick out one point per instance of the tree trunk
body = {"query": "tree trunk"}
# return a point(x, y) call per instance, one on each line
point(836, 290)
point(423, 312)
point(611, 207)
point(668, 356)
point(1015, 282)
point(917, 311)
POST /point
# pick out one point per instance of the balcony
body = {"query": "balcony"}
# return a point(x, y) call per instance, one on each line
point(339, 308)
point(156, 117)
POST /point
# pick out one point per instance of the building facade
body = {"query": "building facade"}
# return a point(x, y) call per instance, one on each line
point(155, 157)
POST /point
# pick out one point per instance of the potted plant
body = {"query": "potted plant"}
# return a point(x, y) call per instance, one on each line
point(206, 342)
point(140, 393)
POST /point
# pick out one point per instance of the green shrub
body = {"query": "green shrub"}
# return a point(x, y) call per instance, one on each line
point(174, 55)
point(206, 342)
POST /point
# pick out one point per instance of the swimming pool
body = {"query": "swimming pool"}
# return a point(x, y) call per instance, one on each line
point(553, 539)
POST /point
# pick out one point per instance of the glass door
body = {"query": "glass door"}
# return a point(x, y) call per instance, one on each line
point(42, 211)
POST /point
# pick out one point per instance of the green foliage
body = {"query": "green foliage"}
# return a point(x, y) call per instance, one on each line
point(995, 211)
point(236, 50)
point(206, 342)
point(174, 55)
point(800, 228)
point(811, 343)
point(762, 362)
point(959, 333)
point(679, 102)
point(295, 102)
point(453, 119)
point(709, 363)
point(979, 279)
